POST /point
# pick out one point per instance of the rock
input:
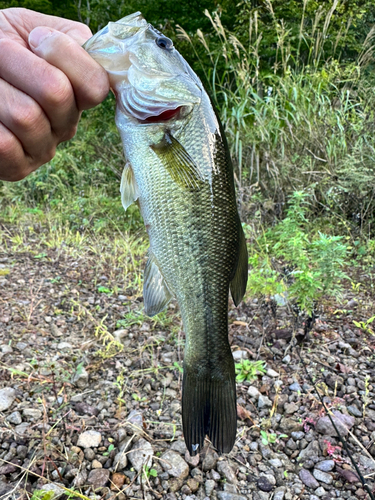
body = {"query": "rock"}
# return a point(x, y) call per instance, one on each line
point(342, 422)
point(297, 436)
point(64, 345)
point(141, 454)
point(210, 460)
point(288, 425)
point(32, 414)
point(311, 450)
point(272, 373)
point(14, 418)
point(319, 492)
point(367, 462)
point(80, 479)
point(89, 439)
point(193, 461)
point(6, 349)
point(324, 477)
point(325, 465)
point(89, 454)
point(348, 475)
point(290, 408)
point(253, 392)
point(226, 470)
point(209, 486)
point(279, 493)
point(117, 481)
point(96, 464)
point(85, 409)
point(355, 411)
point(238, 355)
point(57, 491)
point(275, 462)
point(264, 484)
point(174, 464)
point(134, 422)
point(120, 461)
point(21, 451)
point(7, 396)
point(98, 478)
point(308, 479)
point(264, 401)
point(175, 484)
point(80, 378)
point(193, 484)
point(295, 387)
point(225, 495)
point(179, 446)
point(22, 429)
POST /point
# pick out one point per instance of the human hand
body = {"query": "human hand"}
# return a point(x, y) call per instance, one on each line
point(46, 80)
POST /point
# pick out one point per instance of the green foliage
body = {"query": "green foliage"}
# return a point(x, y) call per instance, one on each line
point(295, 262)
point(365, 325)
point(247, 370)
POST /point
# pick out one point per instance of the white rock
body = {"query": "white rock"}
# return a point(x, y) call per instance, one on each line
point(253, 392)
point(238, 355)
point(56, 489)
point(272, 373)
point(7, 396)
point(264, 402)
point(141, 454)
point(89, 439)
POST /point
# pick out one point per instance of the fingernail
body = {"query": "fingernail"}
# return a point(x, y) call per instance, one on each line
point(38, 35)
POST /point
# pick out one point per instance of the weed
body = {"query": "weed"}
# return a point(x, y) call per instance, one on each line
point(247, 370)
point(365, 325)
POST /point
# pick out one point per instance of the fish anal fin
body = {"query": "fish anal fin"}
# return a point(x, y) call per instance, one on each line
point(156, 293)
point(128, 188)
point(239, 281)
point(209, 407)
point(177, 161)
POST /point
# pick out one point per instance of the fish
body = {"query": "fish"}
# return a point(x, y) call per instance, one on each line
point(178, 168)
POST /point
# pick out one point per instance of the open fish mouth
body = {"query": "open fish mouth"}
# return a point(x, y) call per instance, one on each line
point(167, 115)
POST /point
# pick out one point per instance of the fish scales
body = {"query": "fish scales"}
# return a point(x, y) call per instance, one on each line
point(179, 169)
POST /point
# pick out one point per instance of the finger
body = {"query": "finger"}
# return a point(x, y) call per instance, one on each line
point(44, 83)
point(88, 79)
point(13, 166)
point(26, 120)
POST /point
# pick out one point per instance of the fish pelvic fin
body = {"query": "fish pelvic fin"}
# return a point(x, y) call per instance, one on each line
point(178, 163)
point(156, 293)
point(128, 188)
point(209, 408)
point(239, 282)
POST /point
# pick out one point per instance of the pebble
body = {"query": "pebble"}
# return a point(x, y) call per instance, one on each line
point(64, 345)
point(174, 464)
point(272, 373)
point(210, 460)
point(96, 464)
point(311, 450)
point(264, 484)
point(80, 378)
point(225, 495)
point(297, 436)
point(226, 470)
point(308, 479)
point(253, 392)
point(319, 492)
point(120, 461)
point(343, 423)
point(264, 401)
point(209, 486)
point(355, 411)
point(238, 355)
point(32, 413)
point(279, 493)
point(367, 462)
point(89, 454)
point(7, 396)
point(179, 446)
point(295, 387)
point(141, 454)
point(56, 490)
point(14, 418)
point(325, 466)
point(89, 439)
point(290, 408)
point(6, 349)
point(275, 462)
point(98, 477)
point(324, 477)
point(193, 484)
point(193, 461)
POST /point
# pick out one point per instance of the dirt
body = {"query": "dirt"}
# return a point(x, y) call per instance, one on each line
point(77, 354)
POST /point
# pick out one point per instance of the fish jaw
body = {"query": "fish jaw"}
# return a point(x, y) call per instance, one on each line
point(151, 84)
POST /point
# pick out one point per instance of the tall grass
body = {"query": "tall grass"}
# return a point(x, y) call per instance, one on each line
point(306, 123)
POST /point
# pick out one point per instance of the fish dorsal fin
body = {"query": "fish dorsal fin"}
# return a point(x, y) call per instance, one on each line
point(156, 294)
point(128, 188)
point(239, 282)
point(177, 161)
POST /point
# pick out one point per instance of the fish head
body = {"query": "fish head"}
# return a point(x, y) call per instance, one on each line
point(151, 80)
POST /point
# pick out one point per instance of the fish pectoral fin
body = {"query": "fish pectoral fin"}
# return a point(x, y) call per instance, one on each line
point(239, 282)
point(128, 188)
point(177, 161)
point(156, 294)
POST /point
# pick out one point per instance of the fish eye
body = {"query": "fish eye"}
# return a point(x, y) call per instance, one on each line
point(164, 43)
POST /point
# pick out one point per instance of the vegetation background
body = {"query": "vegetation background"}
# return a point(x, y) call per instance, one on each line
point(294, 85)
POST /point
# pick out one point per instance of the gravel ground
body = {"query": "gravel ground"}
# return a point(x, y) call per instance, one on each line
point(90, 393)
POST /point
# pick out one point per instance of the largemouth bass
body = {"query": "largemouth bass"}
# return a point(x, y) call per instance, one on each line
point(179, 169)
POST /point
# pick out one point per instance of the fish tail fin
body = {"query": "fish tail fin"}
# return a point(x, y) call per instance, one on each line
point(209, 408)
